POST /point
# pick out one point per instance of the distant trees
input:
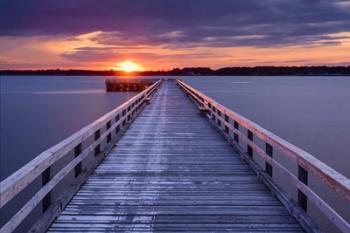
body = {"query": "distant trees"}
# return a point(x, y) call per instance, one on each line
point(205, 71)
point(287, 70)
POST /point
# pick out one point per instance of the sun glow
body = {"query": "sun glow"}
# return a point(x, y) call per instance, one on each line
point(128, 66)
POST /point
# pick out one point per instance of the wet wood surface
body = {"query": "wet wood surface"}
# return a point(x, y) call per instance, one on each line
point(171, 171)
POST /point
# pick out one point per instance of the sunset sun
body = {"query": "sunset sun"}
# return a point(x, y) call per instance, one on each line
point(128, 66)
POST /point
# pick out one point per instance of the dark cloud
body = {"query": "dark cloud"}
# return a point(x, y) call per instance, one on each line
point(180, 23)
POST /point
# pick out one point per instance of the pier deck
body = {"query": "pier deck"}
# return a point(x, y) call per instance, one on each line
point(172, 171)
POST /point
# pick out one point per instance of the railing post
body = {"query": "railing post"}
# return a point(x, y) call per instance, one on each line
point(235, 135)
point(227, 120)
point(117, 129)
point(249, 148)
point(45, 178)
point(269, 152)
point(303, 177)
point(77, 152)
point(218, 121)
point(109, 136)
point(97, 148)
point(97, 134)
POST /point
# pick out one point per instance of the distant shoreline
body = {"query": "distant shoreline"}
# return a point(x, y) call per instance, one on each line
point(197, 71)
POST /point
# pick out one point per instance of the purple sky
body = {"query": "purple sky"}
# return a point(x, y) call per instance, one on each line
point(100, 33)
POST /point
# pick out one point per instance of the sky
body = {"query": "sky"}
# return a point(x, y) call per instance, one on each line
point(163, 34)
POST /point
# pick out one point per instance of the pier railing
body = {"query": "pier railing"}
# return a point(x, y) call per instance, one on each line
point(231, 124)
point(86, 149)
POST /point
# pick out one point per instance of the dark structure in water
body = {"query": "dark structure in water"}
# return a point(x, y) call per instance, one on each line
point(118, 84)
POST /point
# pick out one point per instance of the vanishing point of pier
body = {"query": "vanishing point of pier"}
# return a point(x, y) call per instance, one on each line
point(171, 159)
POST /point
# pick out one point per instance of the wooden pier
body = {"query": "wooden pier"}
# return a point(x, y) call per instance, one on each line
point(174, 164)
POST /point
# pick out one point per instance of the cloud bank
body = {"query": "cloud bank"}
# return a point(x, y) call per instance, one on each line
point(178, 24)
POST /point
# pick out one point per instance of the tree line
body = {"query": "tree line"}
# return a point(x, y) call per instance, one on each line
point(201, 71)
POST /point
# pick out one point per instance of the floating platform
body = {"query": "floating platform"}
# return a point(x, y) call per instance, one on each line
point(121, 85)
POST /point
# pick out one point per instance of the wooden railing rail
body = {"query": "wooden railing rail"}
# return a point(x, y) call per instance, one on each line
point(230, 122)
point(105, 129)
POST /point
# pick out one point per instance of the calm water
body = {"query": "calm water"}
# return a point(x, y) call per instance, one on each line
point(38, 112)
point(310, 112)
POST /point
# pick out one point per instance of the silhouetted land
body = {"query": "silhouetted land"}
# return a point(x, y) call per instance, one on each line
point(204, 71)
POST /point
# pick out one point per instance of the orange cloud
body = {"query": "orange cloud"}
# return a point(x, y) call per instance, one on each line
point(84, 52)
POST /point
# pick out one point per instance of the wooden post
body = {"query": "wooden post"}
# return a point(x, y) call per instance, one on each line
point(97, 135)
point(249, 148)
point(97, 150)
point(203, 110)
point(213, 114)
point(117, 129)
point(269, 152)
point(77, 152)
point(235, 135)
point(45, 178)
point(226, 118)
point(303, 177)
point(226, 128)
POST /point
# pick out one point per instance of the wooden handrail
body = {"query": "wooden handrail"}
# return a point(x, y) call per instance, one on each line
point(15, 183)
point(305, 161)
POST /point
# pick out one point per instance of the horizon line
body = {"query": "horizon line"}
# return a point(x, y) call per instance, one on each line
point(178, 68)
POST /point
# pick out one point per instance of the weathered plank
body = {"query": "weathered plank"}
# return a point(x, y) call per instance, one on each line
point(171, 171)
